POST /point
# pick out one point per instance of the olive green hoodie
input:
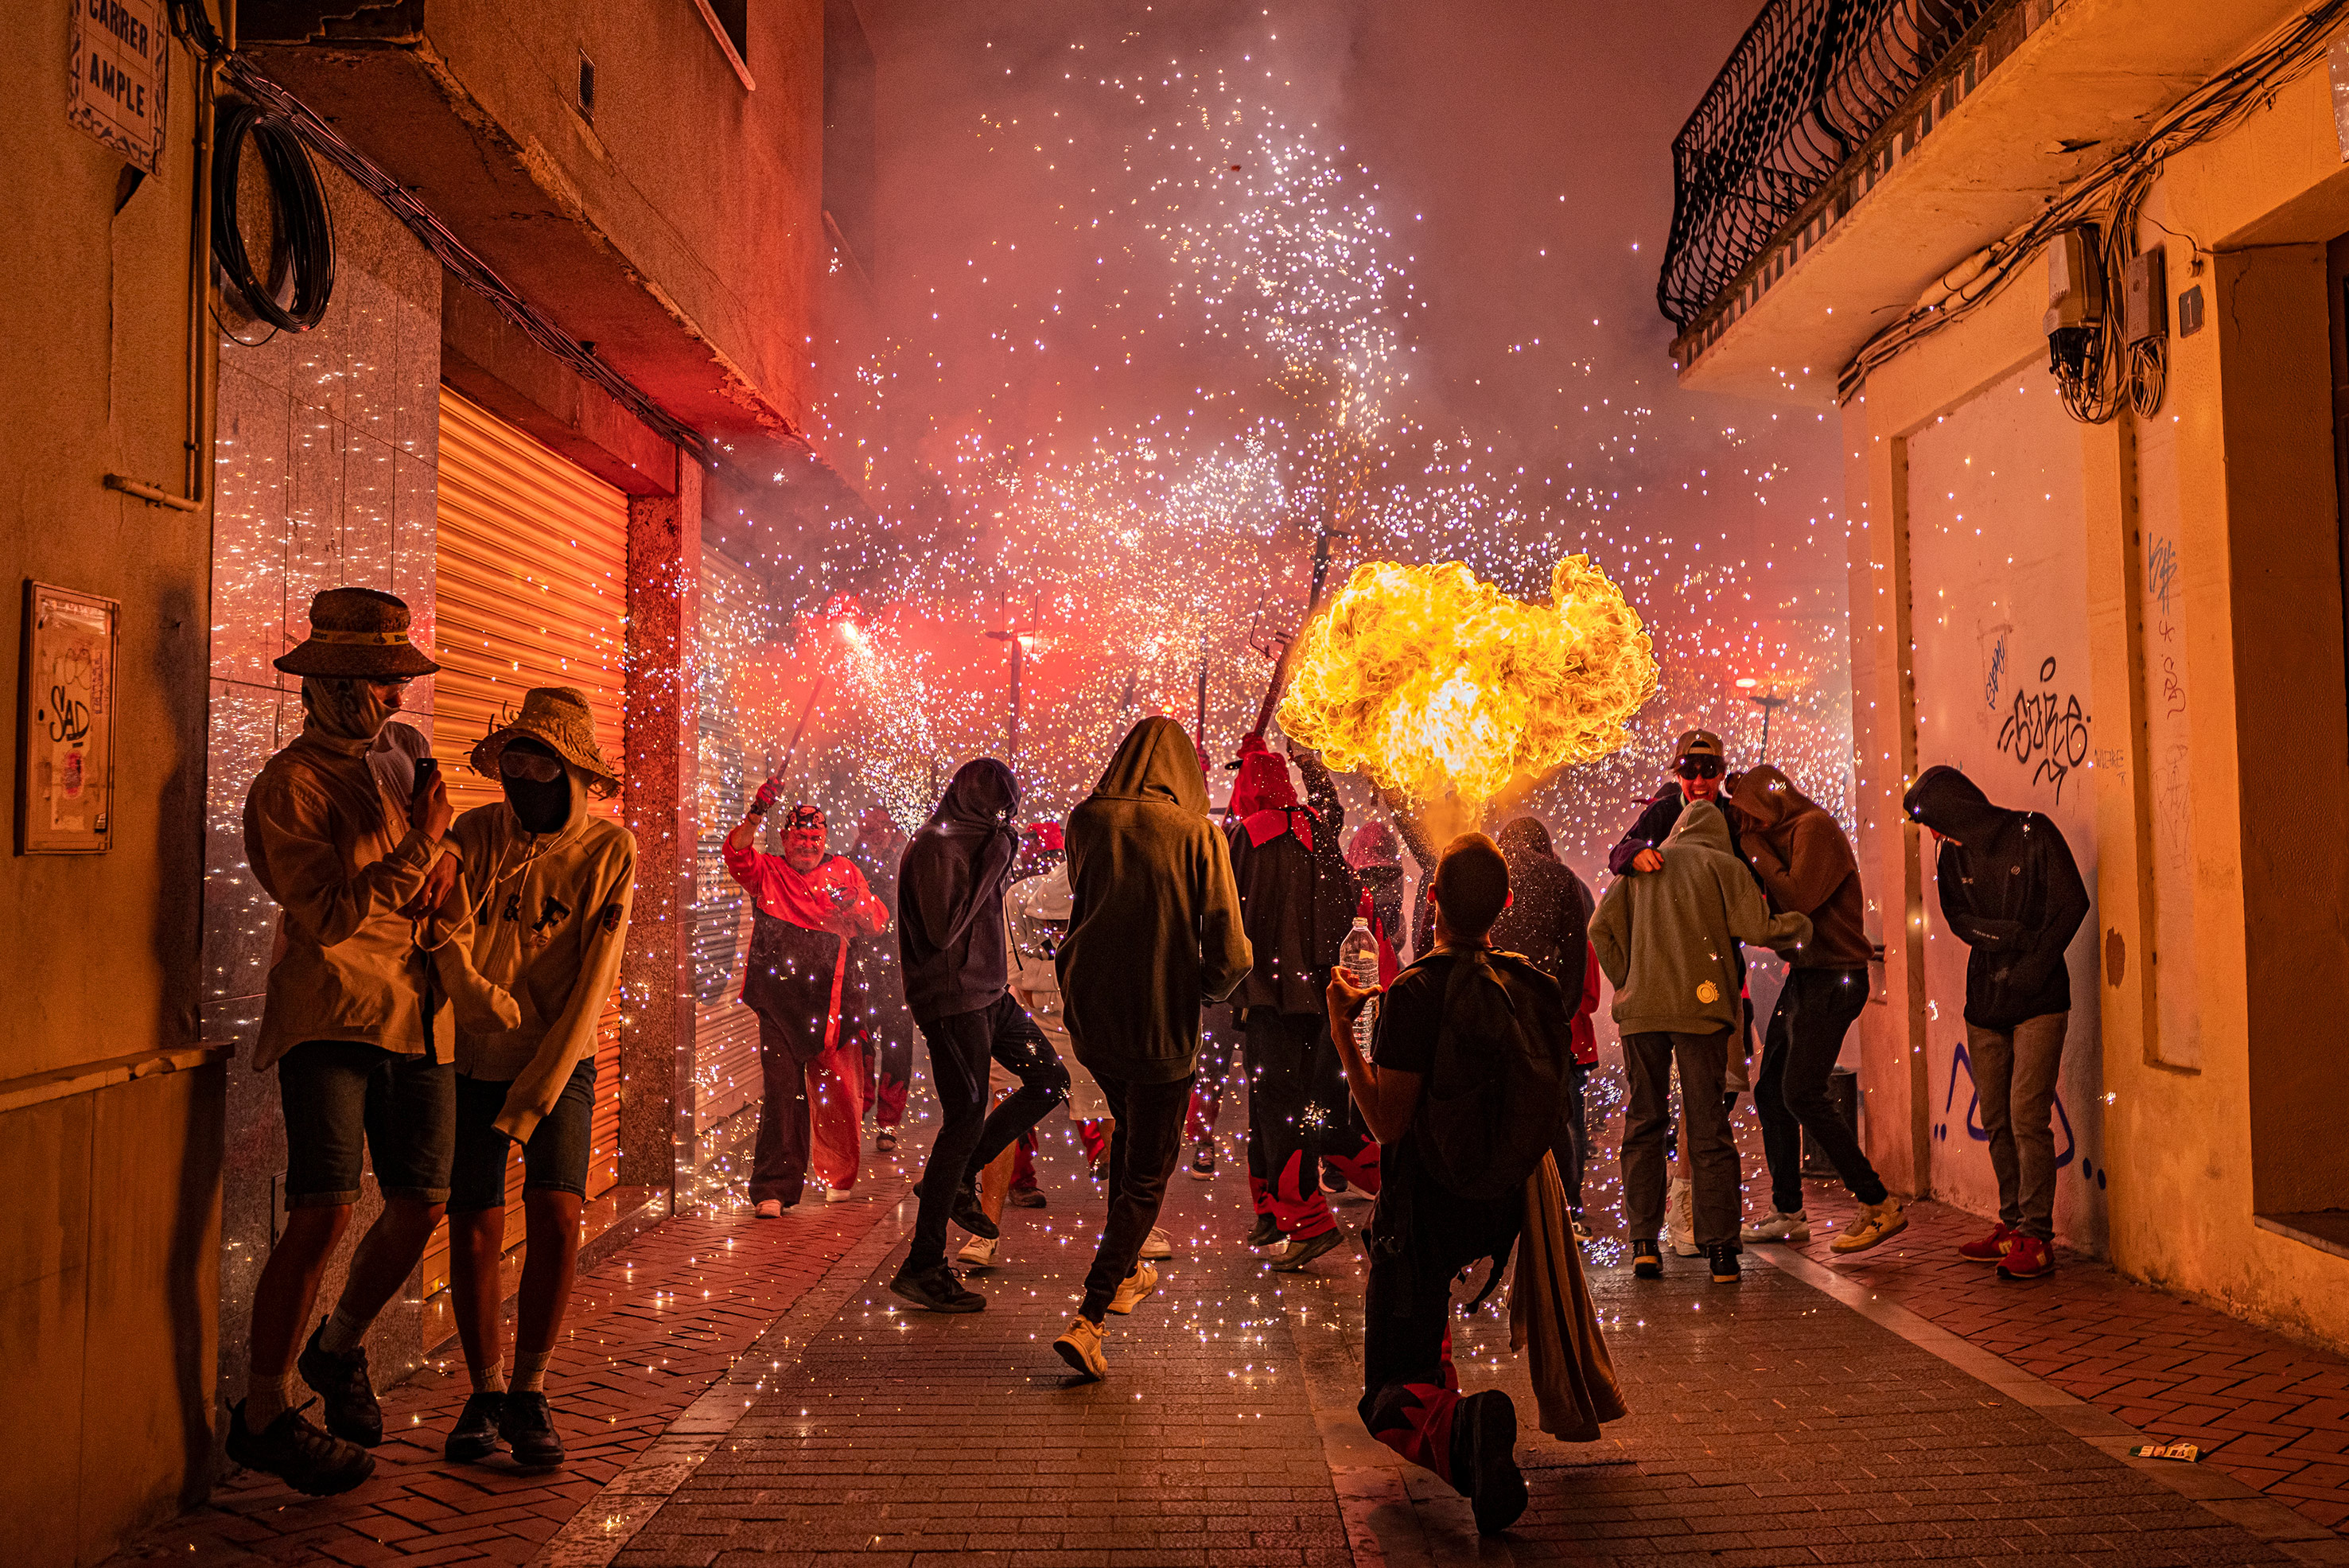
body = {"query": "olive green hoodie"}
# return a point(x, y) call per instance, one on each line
point(1154, 917)
point(1668, 939)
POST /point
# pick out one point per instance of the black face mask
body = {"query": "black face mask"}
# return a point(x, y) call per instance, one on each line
point(539, 807)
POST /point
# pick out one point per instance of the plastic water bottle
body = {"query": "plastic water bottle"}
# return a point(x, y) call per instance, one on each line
point(1360, 957)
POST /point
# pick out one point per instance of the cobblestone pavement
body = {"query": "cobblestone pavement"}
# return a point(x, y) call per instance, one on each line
point(792, 1415)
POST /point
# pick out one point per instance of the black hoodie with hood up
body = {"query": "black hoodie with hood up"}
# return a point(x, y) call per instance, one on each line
point(1154, 917)
point(950, 885)
point(1548, 917)
point(2011, 891)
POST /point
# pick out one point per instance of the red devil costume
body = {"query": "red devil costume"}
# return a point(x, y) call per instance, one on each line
point(1297, 898)
point(797, 982)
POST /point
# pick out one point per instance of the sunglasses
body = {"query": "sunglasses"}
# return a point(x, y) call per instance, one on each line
point(529, 765)
point(1698, 767)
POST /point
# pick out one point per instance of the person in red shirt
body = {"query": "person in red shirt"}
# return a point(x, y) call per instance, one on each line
point(809, 905)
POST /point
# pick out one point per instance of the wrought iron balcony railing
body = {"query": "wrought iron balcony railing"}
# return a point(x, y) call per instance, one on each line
point(1808, 84)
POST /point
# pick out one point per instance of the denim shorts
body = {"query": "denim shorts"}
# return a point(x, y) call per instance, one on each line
point(344, 1099)
point(554, 1159)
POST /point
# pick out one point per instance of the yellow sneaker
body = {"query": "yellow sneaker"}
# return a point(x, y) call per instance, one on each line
point(1081, 1347)
point(1134, 1288)
point(1875, 1223)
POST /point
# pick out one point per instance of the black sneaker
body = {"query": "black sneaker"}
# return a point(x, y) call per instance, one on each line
point(298, 1453)
point(1267, 1232)
point(1300, 1253)
point(344, 1392)
point(1723, 1256)
point(1484, 1460)
point(1025, 1198)
point(1332, 1180)
point(1202, 1161)
point(529, 1427)
point(474, 1438)
point(968, 1214)
point(936, 1289)
point(1647, 1261)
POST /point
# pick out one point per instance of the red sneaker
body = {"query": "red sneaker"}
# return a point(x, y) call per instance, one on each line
point(2027, 1259)
point(1990, 1248)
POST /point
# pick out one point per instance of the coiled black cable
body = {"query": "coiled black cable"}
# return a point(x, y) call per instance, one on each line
point(304, 241)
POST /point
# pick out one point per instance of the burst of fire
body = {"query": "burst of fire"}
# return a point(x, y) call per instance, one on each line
point(1430, 680)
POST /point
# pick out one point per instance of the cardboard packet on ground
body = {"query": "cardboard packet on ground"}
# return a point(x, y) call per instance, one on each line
point(2185, 1452)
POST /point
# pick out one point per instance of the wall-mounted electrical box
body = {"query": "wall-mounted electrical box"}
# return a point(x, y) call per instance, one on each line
point(2075, 281)
point(2145, 308)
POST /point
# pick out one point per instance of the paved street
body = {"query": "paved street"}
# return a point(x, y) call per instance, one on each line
point(747, 1393)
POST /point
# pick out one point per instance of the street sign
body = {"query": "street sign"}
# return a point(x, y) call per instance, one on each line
point(114, 88)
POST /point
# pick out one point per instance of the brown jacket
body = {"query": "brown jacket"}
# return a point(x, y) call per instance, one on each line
point(550, 920)
point(1806, 865)
point(329, 843)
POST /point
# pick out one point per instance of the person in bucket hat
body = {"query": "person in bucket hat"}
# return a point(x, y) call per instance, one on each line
point(548, 883)
point(341, 836)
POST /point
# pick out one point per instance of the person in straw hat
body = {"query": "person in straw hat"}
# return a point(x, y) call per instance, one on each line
point(347, 839)
point(548, 884)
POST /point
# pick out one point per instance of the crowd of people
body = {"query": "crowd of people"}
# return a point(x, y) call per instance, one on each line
point(433, 999)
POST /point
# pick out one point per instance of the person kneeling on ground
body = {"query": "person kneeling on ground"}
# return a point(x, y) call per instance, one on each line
point(1668, 939)
point(1154, 931)
point(1462, 1093)
point(550, 885)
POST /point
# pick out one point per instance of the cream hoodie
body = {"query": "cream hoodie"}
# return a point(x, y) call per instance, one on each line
point(550, 922)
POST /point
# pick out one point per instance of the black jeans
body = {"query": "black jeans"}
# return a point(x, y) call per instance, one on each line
point(1572, 1145)
point(1142, 1156)
point(969, 1135)
point(1791, 1093)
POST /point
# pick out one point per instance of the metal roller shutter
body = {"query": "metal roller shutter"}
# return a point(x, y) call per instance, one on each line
point(726, 1033)
point(532, 590)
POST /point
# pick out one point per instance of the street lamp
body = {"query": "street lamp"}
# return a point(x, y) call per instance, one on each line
point(1769, 702)
point(1018, 642)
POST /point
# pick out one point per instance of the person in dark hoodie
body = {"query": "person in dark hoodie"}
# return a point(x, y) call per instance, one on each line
point(950, 937)
point(1671, 941)
point(1548, 921)
point(1155, 930)
point(1376, 855)
point(1297, 897)
point(1807, 865)
point(2012, 894)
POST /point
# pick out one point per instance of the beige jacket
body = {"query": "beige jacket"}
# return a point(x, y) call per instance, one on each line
point(550, 920)
point(331, 845)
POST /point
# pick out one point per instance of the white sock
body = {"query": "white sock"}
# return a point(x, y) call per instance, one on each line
point(342, 1333)
point(529, 1371)
point(265, 1400)
point(494, 1381)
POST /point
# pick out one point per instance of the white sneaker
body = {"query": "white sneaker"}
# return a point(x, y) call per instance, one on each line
point(771, 1209)
point(1159, 1245)
point(1779, 1226)
point(1680, 1216)
point(1134, 1288)
point(979, 1252)
point(838, 1194)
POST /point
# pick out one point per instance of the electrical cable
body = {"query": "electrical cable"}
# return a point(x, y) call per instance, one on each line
point(303, 249)
point(2113, 196)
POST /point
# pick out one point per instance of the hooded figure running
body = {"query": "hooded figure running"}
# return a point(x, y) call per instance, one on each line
point(2011, 892)
point(950, 888)
point(1154, 932)
point(1668, 939)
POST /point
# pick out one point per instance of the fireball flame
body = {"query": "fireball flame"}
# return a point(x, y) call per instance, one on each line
point(1428, 681)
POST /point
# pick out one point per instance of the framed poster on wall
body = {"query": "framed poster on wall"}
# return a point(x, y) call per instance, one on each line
point(65, 740)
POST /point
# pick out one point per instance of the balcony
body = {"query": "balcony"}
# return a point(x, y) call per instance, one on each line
point(1851, 152)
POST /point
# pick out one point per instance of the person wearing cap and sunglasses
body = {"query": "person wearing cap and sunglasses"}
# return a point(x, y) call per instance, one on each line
point(344, 830)
point(549, 884)
point(809, 906)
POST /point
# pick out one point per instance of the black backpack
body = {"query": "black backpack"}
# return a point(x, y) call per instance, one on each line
point(1492, 1102)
